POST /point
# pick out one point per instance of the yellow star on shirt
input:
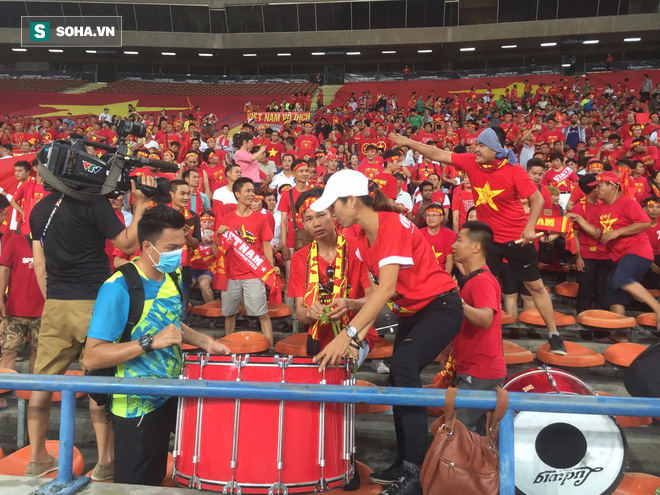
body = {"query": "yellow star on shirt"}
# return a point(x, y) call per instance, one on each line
point(607, 222)
point(272, 152)
point(437, 255)
point(486, 195)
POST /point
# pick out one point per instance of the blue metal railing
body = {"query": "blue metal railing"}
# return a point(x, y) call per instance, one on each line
point(67, 483)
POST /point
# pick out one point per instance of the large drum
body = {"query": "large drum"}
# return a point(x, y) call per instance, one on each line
point(257, 446)
point(564, 454)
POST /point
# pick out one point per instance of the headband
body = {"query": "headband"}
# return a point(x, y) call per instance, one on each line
point(307, 204)
point(259, 197)
point(211, 155)
point(594, 164)
point(154, 156)
point(142, 153)
point(489, 138)
point(301, 164)
point(319, 153)
point(653, 202)
point(191, 153)
point(207, 217)
point(435, 209)
point(392, 158)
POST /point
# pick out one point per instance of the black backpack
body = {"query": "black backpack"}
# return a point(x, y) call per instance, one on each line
point(642, 376)
point(136, 306)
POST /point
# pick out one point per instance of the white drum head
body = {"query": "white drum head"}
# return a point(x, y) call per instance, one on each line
point(567, 454)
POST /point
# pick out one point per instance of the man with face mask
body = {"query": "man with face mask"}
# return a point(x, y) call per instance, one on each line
point(142, 423)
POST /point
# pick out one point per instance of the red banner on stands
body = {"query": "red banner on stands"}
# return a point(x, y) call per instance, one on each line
point(278, 117)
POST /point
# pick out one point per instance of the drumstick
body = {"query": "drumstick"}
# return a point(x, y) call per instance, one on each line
point(536, 236)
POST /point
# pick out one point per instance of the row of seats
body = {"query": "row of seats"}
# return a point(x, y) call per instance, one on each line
point(188, 89)
point(39, 85)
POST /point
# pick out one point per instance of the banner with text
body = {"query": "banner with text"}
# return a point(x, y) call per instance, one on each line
point(278, 117)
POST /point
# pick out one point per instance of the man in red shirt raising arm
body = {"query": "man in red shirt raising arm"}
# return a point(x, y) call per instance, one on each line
point(498, 188)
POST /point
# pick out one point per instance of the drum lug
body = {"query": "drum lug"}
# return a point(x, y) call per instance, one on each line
point(195, 483)
point(321, 486)
point(232, 487)
point(278, 488)
point(203, 360)
point(282, 361)
point(240, 360)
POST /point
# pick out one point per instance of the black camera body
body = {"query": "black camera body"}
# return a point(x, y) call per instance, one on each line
point(68, 167)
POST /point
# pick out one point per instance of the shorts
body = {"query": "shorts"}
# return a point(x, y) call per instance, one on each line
point(196, 273)
point(253, 293)
point(510, 283)
point(630, 269)
point(141, 445)
point(64, 326)
point(15, 330)
point(522, 260)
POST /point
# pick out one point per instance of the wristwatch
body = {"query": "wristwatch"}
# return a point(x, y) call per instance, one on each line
point(145, 342)
point(353, 334)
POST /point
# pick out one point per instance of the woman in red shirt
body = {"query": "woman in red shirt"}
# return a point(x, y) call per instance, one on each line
point(404, 275)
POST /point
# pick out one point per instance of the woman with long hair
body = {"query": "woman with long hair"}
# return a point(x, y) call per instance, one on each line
point(404, 275)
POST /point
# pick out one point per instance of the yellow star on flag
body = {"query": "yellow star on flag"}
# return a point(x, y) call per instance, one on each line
point(607, 222)
point(272, 153)
point(486, 195)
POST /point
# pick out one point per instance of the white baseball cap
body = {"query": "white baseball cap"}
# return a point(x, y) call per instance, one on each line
point(341, 185)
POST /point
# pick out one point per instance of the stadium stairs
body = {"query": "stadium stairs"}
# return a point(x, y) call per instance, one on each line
point(85, 88)
point(329, 91)
point(375, 432)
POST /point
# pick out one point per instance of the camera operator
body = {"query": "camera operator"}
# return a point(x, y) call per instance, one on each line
point(69, 246)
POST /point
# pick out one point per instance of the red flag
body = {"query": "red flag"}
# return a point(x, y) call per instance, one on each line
point(553, 224)
point(275, 295)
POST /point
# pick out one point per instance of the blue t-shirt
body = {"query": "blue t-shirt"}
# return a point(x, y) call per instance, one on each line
point(162, 306)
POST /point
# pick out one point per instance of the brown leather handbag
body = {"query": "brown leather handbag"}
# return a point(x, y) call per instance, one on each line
point(460, 460)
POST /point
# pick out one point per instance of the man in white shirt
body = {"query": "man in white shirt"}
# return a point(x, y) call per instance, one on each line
point(226, 194)
point(403, 198)
point(105, 116)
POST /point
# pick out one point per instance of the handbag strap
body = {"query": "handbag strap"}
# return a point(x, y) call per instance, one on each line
point(450, 410)
point(493, 418)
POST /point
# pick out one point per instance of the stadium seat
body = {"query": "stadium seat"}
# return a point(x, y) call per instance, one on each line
point(212, 309)
point(293, 345)
point(637, 484)
point(6, 370)
point(57, 396)
point(600, 319)
point(567, 289)
point(628, 421)
point(507, 319)
point(15, 464)
point(578, 356)
point(515, 354)
point(383, 348)
point(369, 408)
point(623, 354)
point(533, 317)
point(646, 320)
point(246, 342)
point(366, 486)
point(278, 310)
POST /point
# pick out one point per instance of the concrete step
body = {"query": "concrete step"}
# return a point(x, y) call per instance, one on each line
point(85, 88)
point(20, 485)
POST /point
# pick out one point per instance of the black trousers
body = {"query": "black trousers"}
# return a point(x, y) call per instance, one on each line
point(593, 282)
point(141, 445)
point(419, 340)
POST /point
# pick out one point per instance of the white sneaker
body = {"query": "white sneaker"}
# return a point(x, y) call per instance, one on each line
point(379, 366)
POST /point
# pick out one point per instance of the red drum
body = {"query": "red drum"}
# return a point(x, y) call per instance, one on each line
point(567, 454)
point(263, 447)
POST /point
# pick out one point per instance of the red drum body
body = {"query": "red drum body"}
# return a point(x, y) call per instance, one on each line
point(258, 446)
point(564, 454)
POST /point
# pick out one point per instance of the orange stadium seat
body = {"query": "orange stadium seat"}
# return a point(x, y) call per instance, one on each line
point(515, 354)
point(278, 310)
point(637, 484)
point(577, 356)
point(646, 320)
point(369, 408)
point(57, 396)
point(293, 345)
point(507, 319)
point(15, 464)
point(246, 342)
point(383, 348)
point(567, 289)
point(533, 317)
point(600, 319)
point(628, 421)
point(212, 309)
point(623, 354)
point(366, 486)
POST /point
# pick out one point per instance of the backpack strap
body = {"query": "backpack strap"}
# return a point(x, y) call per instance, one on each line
point(136, 295)
point(465, 279)
point(175, 278)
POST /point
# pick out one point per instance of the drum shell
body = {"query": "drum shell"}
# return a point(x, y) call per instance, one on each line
point(205, 445)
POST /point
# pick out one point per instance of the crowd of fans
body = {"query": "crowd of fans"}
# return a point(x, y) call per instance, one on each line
point(472, 172)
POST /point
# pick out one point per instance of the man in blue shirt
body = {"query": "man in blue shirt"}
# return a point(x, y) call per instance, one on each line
point(142, 423)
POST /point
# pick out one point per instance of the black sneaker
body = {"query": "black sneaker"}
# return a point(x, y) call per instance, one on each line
point(388, 476)
point(557, 345)
point(408, 484)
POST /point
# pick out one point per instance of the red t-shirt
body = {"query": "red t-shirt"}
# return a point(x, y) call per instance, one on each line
point(552, 136)
point(441, 244)
point(638, 188)
point(371, 170)
point(462, 201)
point(274, 152)
point(420, 278)
point(623, 212)
point(423, 170)
point(27, 195)
point(590, 248)
point(576, 195)
point(654, 237)
point(478, 351)
point(361, 143)
point(356, 276)
point(254, 229)
point(285, 207)
point(306, 145)
point(388, 184)
point(651, 154)
point(497, 196)
point(24, 297)
point(562, 180)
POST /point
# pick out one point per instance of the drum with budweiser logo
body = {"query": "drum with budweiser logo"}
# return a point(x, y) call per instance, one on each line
point(564, 454)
